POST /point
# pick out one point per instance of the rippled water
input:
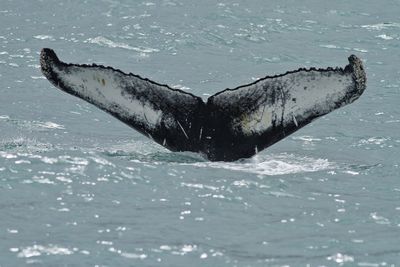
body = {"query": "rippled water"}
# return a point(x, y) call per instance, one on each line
point(79, 188)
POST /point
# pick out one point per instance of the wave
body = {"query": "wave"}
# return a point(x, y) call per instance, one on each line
point(25, 145)
point(32, 125)
point(100, 40)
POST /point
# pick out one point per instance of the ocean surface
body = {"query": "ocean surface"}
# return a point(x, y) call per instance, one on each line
point(79, 188)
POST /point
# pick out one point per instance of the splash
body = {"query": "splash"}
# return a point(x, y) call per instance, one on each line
point(273, 165)
point(149, 152)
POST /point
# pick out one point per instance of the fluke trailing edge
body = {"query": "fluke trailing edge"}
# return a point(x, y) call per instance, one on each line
point(233, 124)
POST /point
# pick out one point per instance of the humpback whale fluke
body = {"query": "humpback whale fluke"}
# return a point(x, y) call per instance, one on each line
point(233, 124)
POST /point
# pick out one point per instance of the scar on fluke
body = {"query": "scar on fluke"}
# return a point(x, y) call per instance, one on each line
point(232, 124)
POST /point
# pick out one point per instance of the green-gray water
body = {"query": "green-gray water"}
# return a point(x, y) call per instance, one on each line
point(79, 188)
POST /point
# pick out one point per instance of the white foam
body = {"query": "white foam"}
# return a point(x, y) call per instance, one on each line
point(330, 46)
point(133, 255)
point(44, 37)
point(37, 250)
point(100, 40)
point(381, 26)
point(379, 219)
point(273, 165)
point(340, 258)
point(385, 37)
point(49, 125)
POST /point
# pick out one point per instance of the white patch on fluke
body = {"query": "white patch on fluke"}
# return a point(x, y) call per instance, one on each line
point(256, 122)
point(319, 92)
point(105, 89)
point(303, 95)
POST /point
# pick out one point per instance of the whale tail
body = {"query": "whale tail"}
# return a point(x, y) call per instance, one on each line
point(234, 123)
point(266, 111)
point(168, 116)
